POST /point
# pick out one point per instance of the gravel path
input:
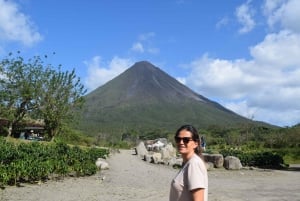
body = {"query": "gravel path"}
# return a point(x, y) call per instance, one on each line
point(131, 179)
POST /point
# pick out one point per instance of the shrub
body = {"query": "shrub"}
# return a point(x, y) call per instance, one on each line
point(265, 159)
point(28, 162)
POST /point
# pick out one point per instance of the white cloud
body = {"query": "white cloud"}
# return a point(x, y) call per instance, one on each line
point(209, 75)
point(241, 108)
point(285, 13)
point(182, 80)
point(137, 47)
point(180, 2)
point(223, 22)
point(280, 50)
point(153, 50)
point(16, 26)
point(287, 117)
point(271, 5)
point(265, 87)
point(144, 44)
point(244, 14)
point(146, 36)
point(99, 73)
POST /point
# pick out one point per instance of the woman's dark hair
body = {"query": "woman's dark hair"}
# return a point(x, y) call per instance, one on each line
point(195, 137)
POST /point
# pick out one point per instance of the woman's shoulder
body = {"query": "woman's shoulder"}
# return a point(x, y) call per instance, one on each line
point(197, 160)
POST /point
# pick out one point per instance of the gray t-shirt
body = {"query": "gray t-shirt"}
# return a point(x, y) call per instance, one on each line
point(192, 176)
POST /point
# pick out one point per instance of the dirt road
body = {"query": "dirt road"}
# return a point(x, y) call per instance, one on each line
point(131, 179)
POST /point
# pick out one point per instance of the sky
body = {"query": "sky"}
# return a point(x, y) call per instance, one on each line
point(243, 54)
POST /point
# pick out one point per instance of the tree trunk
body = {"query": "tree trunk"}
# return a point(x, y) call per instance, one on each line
point(10, 127)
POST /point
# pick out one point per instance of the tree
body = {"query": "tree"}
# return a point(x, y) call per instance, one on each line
point(38, 91)
point(62, 94)
point(19, 88)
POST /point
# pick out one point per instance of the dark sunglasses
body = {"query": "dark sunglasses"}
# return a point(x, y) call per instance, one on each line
point(184, 139)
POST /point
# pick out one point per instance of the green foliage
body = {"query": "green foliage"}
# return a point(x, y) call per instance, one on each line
point(290, 155)
point(70, 136)
point(20, 86)
point(153, 134)
point(266, 159)
point(35, 90)
point(28, 162)
point(63, 93)
point(284, 141)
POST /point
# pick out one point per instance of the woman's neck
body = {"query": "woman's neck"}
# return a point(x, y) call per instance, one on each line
point(187, 157)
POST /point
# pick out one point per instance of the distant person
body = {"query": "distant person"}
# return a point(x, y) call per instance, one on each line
point(27, 134)
point(191, 182)
point(203, 143)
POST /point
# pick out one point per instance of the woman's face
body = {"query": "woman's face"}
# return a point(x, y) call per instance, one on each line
point(185, 143)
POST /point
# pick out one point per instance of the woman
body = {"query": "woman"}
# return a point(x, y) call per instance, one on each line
point(191, 182)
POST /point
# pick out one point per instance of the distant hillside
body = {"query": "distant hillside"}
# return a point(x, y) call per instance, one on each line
point(145, 97)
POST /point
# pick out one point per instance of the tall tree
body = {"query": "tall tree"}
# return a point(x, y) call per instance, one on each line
point(38, 91)
point(62, 94)
point(19, 88)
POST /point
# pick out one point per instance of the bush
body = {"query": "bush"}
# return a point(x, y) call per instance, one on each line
point(34, 161)
point(265, 159)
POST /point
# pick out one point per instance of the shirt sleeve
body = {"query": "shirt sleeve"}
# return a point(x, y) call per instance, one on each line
point(196, 176)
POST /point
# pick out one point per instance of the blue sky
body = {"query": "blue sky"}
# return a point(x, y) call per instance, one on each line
point(243, 54)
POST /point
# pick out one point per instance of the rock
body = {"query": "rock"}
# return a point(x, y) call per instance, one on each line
point(232, 163)
point(141, 150)
point(102, 164)
point(156, 158)
point(216, 159)
point(170, 162)
point(209, 165)
point(176, 162)
point(148, 158)
point(168, 152)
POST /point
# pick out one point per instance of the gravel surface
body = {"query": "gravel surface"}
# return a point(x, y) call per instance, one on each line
point(132, 179)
